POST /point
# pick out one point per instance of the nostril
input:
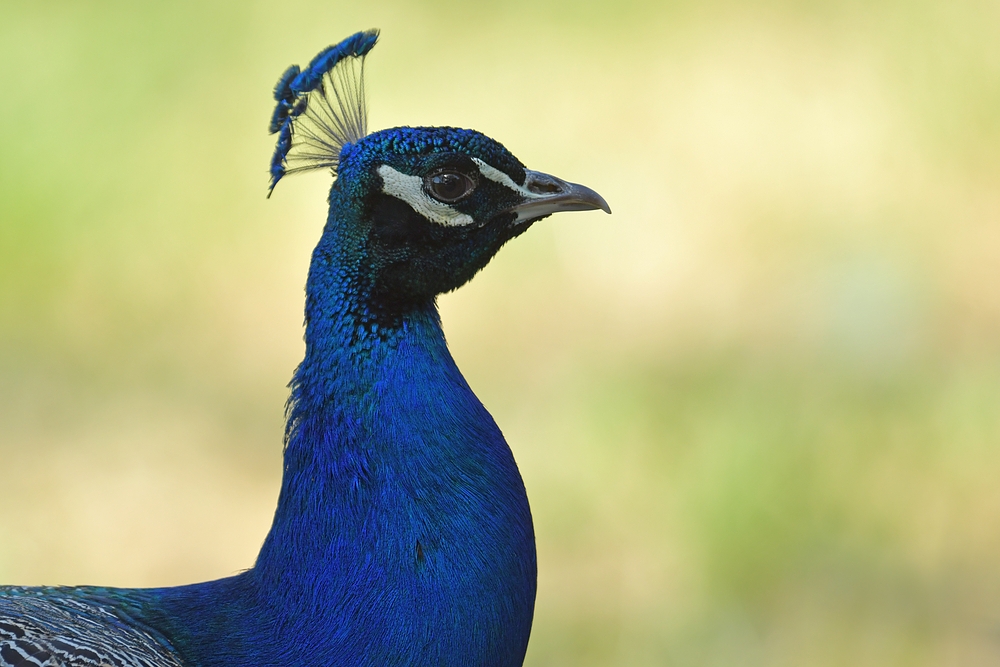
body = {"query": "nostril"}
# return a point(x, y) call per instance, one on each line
point(544, 185)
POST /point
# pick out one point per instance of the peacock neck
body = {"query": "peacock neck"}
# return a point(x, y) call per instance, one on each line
point(379, 416)
point(353, 353)
point(402, 528)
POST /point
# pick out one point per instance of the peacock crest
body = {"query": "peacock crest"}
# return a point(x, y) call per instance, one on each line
point(321, 108)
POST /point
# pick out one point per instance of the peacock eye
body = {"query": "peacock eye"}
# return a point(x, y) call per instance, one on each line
point(449, 186)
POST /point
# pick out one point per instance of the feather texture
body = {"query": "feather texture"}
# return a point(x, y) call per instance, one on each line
point(58, 627)
point(321, 109)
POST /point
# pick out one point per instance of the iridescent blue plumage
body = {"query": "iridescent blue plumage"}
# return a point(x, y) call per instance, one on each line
point(285, 99)
point(356, 46)
point(402, 534)
point(324, 104)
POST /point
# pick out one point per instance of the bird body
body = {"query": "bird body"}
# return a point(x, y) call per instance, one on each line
point(402, 534)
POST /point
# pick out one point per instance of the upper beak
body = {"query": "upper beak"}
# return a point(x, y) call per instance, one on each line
point(548, 194)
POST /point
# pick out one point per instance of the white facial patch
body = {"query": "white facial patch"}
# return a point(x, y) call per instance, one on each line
point(503, 179)
point(410, 189)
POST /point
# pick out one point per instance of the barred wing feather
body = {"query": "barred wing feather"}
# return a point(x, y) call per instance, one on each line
point(43, 628)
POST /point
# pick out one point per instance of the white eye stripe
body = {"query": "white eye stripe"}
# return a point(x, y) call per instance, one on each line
point(500, 177)
point(410, 189)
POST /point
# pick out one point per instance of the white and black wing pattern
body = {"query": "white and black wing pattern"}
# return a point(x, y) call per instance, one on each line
point(41, 628)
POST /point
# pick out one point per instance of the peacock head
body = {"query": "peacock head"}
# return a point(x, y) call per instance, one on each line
point(427, 206)
point(437, 203)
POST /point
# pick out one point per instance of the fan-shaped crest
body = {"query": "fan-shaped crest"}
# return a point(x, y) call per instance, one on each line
point(321, 108)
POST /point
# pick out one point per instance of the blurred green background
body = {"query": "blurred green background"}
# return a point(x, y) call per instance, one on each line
point(757, 410)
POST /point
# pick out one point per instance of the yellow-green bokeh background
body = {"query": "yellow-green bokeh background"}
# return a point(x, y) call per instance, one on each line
point(757, 410)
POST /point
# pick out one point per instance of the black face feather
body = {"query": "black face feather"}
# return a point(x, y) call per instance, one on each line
point(412, 259)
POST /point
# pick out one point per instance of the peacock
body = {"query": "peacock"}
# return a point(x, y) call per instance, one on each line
point(402, 534)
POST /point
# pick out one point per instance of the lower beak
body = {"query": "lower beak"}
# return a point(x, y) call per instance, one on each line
point(547, 195)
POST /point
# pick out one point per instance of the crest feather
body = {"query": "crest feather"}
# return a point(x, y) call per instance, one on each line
point(321, 108)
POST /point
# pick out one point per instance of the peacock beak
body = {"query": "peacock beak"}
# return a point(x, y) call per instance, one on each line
point(547, 194)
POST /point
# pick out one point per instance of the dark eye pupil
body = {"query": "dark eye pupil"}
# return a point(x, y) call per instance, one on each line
point(449, 186)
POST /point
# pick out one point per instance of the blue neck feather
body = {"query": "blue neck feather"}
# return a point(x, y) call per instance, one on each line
point(402, 533)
